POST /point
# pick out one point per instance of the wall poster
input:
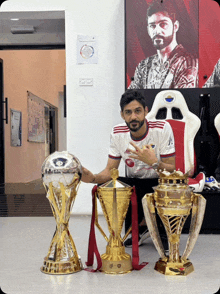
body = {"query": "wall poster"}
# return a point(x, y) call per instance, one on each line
point(209, 43)
point(172, 44)
point(36, 122)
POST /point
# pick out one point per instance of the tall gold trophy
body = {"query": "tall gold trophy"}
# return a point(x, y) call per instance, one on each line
point(174, 200)
point(61, 173)
point(114, 197)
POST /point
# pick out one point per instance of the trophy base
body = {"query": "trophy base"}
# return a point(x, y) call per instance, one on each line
point(174, 269)
point(122, 265)
point(61, 267)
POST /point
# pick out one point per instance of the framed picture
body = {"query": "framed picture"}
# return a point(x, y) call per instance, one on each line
point(36, 120)
point(161, 43)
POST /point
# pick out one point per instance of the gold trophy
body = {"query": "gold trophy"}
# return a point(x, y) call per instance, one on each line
point(174, 201)
point(114, 197)
point(61, 173)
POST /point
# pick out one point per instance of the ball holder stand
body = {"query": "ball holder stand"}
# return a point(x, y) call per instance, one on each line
point(62, 257)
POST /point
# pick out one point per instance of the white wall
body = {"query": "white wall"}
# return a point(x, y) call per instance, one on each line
point(91, 111)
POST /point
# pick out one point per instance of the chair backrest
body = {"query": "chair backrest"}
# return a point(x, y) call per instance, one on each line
point(217, 124)
point(171, 106)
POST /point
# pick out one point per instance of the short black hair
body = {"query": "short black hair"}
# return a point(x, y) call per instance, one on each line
point(131, 95)
point(166, 8)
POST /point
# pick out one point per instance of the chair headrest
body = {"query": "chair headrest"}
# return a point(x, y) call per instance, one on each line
point(174, 104)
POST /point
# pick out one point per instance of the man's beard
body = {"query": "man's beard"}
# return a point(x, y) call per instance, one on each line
point(137, 128)
point(162, 42)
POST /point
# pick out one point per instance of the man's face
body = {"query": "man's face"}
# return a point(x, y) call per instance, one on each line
point(134, 115)
point(161, 30)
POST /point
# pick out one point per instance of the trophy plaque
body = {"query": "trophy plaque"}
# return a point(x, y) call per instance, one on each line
point(174, 200)
point(114, 197)
point(61, 173)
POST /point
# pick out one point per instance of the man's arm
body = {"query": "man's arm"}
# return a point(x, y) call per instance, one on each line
point(103, 176)
point(167, 163)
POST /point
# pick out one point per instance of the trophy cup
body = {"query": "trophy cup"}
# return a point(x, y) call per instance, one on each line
point(174, 201)
point(114, 197)
point(61, 173)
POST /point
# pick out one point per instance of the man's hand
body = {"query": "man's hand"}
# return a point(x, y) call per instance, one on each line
point(147, 154)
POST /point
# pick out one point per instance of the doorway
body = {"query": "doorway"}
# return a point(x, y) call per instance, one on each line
point(20, 179)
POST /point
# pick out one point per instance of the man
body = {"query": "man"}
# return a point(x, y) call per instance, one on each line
point(172, 66)
point(214, 79)
point(144, 146)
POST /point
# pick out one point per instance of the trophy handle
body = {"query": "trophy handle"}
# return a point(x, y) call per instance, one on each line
point(149, 212)
point(198, 211)
point(126, 235)
point(96, 221)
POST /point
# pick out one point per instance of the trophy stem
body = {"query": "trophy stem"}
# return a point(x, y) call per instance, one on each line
point(175, 265)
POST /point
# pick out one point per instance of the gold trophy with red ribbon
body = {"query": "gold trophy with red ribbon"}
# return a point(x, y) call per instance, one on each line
point(114, 197)
point(174, 200)
point(61, 173)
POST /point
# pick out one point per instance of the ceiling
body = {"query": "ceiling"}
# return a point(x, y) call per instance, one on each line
point(48, 29)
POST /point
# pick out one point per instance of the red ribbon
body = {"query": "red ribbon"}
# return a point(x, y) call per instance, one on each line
point(93, 249)
point(135, 234)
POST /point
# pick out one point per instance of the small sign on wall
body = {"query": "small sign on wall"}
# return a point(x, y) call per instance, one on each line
point(16, 131)
point(87, 50)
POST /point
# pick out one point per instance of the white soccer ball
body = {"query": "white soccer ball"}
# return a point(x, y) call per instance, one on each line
point(61, 167)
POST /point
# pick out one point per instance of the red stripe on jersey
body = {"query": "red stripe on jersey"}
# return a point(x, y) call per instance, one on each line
point(155, 127)
point(116, 132)
point(121, 128)
point(167, 155)
point(114, 157)
point(156, 123)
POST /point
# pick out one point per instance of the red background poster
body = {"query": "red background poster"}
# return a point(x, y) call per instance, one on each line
point(199, 33)
point(209, 38)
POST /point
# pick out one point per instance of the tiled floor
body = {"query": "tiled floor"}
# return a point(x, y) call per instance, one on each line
point(24, 242)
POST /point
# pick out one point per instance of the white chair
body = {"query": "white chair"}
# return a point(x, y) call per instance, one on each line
point(217, 126)
point(217, 123)
point(171, 106)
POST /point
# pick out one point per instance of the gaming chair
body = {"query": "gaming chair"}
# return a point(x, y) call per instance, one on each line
point(171, 106)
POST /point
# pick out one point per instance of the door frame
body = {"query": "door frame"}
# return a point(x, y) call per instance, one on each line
point(2, 142)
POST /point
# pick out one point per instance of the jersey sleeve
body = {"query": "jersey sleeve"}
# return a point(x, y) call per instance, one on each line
point(167, 142)
point(113, 149)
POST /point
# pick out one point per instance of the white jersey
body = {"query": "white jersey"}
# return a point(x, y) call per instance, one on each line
point(159, 135)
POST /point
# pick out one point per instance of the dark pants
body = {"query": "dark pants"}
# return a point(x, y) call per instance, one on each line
point(142, 187)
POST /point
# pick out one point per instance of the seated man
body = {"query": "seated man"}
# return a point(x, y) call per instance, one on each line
point(145, 147)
